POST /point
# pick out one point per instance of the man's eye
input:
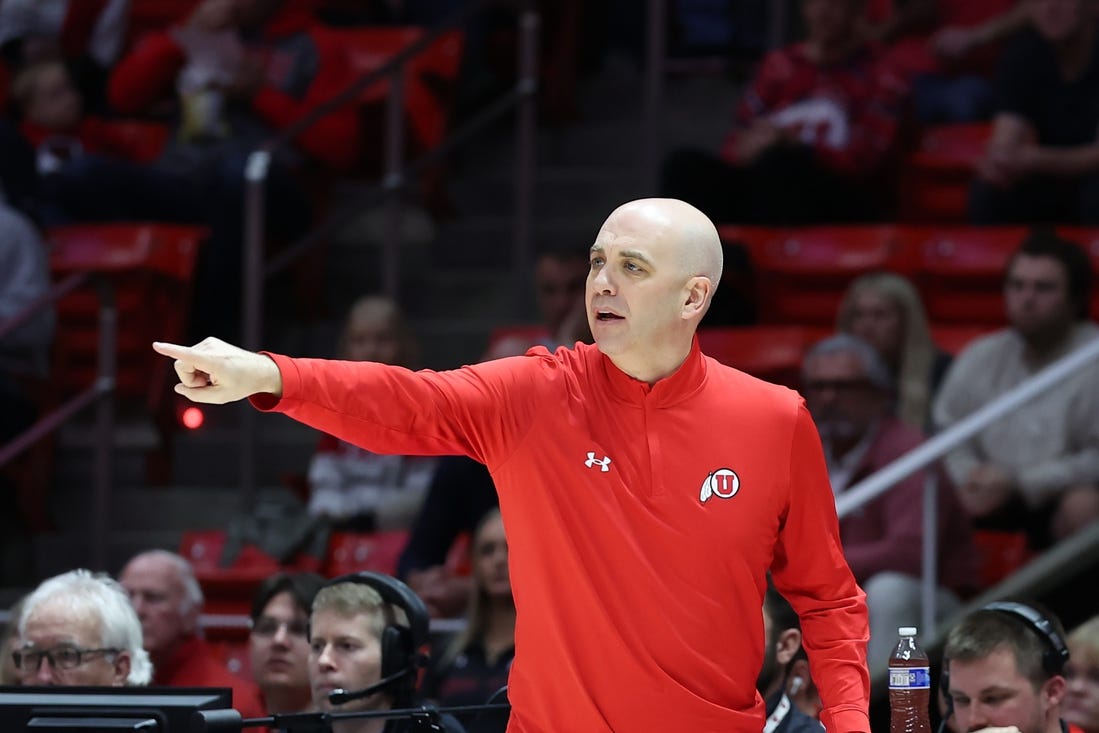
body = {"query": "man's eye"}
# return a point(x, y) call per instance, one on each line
point(67, 656)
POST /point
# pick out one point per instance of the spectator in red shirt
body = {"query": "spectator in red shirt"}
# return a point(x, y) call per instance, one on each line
point(89, 168)
point(168, 601)
point(814, 136)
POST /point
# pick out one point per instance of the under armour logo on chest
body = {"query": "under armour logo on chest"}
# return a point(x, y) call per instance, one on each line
point(604, 463)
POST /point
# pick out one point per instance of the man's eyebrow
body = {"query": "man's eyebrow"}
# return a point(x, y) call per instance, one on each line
point(635, 254)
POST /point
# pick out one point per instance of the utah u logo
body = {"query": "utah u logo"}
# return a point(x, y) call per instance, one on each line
point(723, 483)
point(603, 463)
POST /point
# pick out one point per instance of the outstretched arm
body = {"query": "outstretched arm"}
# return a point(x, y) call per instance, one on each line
point(215, 372)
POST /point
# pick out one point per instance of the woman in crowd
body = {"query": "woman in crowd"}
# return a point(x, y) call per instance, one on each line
point(474, 667)
point(885, 310)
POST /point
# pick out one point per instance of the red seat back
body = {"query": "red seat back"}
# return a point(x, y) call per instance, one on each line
point(429, 78)
point(935, 178)
point(999, 554)
point(802, 274)
point(350, 552)
point(771, 353)
point(962, 271)
point(150, 267)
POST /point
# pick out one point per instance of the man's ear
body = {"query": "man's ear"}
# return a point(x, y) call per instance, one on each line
point(1053, 690)
point(789, 643)
point(699, 292)
point(121, 669)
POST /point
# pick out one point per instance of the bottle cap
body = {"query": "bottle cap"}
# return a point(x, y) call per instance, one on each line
point(907, 631)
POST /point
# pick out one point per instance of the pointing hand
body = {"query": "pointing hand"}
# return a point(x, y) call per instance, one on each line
point(214, 372)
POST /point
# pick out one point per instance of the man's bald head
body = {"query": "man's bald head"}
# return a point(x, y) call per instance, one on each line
point(690, 231)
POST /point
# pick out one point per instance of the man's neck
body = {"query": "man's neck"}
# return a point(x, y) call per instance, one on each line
point(1039, 349)
point(165, 660)
point(652, 370)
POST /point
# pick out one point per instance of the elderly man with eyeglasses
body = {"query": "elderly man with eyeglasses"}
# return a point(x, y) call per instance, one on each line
point(79, 628)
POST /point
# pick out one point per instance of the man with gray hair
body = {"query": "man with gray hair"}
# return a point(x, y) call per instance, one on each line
point(850, 393)
point(168, 601)
point(79, 628)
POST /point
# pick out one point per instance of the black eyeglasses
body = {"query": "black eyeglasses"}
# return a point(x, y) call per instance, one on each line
point(61, 657)
point(269, 626)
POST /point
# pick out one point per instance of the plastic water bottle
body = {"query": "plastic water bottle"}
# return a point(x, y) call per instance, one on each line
point(909, 685)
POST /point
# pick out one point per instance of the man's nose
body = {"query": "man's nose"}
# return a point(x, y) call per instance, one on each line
point(602, 281)
point(44, 674)
point(282, 635)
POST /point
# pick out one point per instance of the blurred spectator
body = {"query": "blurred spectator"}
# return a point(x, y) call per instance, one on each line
point(885, 310)
point(9, 642)
point(243, 68)
point(1081, 703)
point(279, 641)
point(848, 390)
point(461, 493)
point(1038, 471)
point(785, 672)
point(475, 665)
point(240, 71)
point(948, 49)
point(999, 677)
point(559, 277)
point(87, 34)
point(353, 488)
point(1042, 160)
point(815, 137)
point(80, 629)
point(168, 601)
point(88, 168)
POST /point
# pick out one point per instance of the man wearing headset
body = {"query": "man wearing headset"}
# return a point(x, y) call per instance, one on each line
point(784, 683)
point(365, 648)
point(1003, 670)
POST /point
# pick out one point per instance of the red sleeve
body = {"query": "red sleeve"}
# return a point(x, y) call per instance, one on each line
point(875, 110)
point(809, 569)
point(758, 99)
point(386, 409)
point(146, 75)
point(333, 139)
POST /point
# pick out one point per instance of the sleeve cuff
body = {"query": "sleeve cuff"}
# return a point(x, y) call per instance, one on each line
point(845, 721)
point(291, 381)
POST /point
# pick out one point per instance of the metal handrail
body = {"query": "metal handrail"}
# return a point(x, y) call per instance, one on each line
point(939, 445)
point(99, 392)
point(396, 176)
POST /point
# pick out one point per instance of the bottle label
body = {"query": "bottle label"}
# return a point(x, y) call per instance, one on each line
point(909, 678)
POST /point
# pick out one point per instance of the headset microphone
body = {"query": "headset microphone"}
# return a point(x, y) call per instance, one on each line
point(341, 696)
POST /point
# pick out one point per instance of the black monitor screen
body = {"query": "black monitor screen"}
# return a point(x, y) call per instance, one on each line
point(87, 709)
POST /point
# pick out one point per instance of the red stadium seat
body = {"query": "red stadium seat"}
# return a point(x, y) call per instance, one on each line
point(150, 268)
point(961, 273)
point(801, 275)
point(999, 554)
point(350, 552)
point(935, 179)
point(429, 78)
point(771, 353)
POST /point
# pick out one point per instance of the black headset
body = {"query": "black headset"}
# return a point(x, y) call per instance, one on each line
point(1054, 655)
point(402, 655)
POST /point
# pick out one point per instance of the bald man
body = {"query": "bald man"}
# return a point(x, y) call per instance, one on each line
point(646, 490)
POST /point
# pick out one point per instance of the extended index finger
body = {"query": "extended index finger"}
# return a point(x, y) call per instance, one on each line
point(174, 351)
point(190, 363)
